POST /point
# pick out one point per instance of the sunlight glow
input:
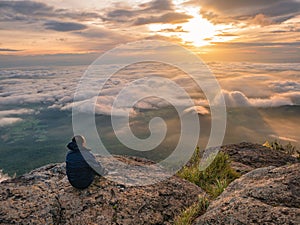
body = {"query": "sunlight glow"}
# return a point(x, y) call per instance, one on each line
point(196, 32)
point(199, 30)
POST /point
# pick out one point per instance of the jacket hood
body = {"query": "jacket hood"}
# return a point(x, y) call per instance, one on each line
point(73, 146)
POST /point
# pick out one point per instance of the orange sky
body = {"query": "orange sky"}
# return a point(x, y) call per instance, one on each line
point(234, 30)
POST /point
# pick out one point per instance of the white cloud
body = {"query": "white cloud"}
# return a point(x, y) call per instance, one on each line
point(235, 99)
point(293, 96)
point(285, 86)
point(9, 120)
point(6, 119)
point(197, 109)
point(239, 99)
point(38, 86)
point(5, 113)
point(245, 84)
point(274, 101)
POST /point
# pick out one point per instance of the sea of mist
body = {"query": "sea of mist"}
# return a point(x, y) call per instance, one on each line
point(263, 103)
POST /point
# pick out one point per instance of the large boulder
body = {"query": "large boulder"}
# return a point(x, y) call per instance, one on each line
point(263, 196)
point(45, 196)
point(247, 156)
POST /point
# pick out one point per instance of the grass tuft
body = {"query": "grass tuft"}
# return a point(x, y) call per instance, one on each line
point(215, 178)
point(287, 149)
point(191, 213)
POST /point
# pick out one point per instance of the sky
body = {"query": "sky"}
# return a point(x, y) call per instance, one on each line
point(75, 31)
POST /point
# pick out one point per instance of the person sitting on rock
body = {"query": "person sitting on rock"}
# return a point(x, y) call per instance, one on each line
point(81, 164)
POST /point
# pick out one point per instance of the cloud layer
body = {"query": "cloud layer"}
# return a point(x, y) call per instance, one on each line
point(268, 85)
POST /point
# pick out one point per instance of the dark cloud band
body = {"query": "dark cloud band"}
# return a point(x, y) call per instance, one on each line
point(64, 26)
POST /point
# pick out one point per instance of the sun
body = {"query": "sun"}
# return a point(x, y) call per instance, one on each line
point(197, 31)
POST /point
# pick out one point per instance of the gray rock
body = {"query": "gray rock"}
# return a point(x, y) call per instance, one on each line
point(263, 196)
point(247, 156)
point(44, 196)
point(266, 195)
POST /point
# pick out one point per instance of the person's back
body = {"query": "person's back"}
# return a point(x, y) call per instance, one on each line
point(79, 172)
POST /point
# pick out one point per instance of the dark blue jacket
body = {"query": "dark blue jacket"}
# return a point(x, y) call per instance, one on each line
point(79, 169)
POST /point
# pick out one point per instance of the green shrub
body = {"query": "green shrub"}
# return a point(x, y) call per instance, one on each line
point(215, 178)
point(218, 187)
